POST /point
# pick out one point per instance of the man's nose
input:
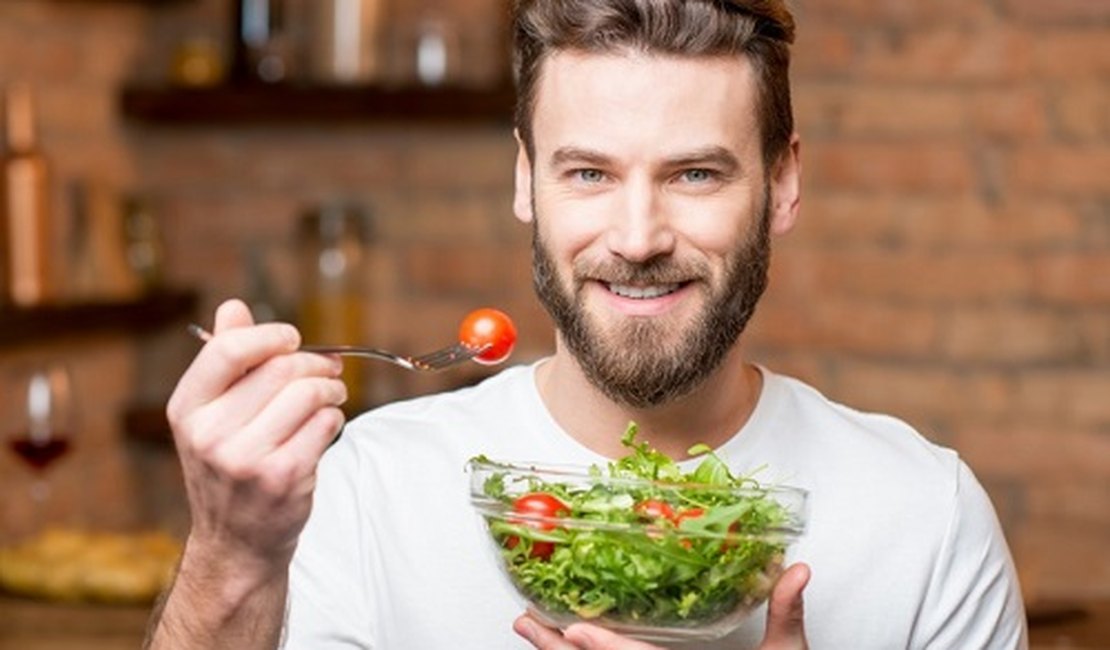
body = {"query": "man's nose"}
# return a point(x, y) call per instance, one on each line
point(640, 227)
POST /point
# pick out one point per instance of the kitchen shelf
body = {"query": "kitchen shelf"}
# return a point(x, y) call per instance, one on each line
point(19, 326)
point(323, 104)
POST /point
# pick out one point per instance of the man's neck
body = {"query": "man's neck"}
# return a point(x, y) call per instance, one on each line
point(711, 414)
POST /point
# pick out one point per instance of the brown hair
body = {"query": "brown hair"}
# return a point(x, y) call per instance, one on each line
point(761, 30)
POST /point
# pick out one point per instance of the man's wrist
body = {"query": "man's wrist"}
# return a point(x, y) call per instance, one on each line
point(222, 600)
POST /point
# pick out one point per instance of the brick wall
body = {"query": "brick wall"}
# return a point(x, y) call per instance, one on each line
point(952, 265)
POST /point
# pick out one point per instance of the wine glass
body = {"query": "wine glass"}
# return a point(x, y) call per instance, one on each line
point(40, 417)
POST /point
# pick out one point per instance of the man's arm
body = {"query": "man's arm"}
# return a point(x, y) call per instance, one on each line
point(251, 418)
point(202, 610)
point(974, 600)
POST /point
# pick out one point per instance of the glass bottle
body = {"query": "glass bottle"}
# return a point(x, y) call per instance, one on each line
point(24, 211)
point(260, 45)
point(334, 239)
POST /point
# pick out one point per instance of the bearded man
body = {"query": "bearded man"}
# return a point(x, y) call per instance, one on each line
point(657, 160)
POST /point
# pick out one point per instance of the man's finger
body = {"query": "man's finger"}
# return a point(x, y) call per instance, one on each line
point(592, 637)
point(785, 612)
point(232, 314)
point(541, 636)
point(236, 349)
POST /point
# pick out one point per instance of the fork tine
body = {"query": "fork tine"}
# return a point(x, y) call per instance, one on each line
point(443, 356)
point(447, 356)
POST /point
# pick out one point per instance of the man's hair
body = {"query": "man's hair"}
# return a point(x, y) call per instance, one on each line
point(760, 30)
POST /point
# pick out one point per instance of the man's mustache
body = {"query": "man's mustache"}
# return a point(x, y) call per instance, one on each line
point(655, 271)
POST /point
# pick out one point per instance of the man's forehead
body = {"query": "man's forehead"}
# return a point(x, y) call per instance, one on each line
point(589, 98)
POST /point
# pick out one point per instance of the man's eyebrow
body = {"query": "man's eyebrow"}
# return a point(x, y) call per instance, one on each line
point(578, 155)
point(714, 155)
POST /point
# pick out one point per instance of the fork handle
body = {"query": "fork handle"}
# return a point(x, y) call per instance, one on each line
point(358, 351)
point(349, 350)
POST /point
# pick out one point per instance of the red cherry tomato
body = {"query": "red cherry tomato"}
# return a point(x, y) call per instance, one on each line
point(539, 504)
point(488, 327)
point(689, 513)
point(654, 509)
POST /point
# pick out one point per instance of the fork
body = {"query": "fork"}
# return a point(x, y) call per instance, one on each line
point(435, 360)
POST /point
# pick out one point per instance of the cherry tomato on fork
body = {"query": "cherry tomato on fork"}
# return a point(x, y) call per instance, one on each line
point(488, 326)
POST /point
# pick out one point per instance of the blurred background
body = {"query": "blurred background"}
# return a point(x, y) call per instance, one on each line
point(347, 165)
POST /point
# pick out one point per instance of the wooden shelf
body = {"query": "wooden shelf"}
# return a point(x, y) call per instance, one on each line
point(322, 104)
point(19, 326)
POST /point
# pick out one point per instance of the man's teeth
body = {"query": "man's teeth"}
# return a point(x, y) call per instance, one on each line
point(641, 293)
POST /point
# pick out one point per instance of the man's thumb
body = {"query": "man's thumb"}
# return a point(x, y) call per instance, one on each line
point(785, 613)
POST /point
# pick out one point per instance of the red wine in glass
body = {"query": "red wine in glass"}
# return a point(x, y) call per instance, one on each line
point(40, 453)
point(42, 422)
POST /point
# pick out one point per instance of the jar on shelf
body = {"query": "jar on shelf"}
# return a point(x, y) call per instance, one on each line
point(334, 240)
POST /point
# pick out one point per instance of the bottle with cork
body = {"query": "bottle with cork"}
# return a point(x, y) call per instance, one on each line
point(25, 223)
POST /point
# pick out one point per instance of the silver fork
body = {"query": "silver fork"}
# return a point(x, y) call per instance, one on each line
point(435, 360)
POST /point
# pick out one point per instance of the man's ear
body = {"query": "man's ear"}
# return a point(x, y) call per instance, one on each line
point(786, 188)
point(522, 196)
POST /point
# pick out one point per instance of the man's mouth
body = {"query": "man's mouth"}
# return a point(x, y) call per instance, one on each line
point(643, 293)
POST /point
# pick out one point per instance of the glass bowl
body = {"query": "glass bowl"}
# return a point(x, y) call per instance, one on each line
point(653, 560)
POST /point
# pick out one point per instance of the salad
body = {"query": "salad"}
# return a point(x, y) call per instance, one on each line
point(639, 541)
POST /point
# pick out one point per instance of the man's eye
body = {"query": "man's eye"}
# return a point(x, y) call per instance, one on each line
point(589, 175)
point(697, 175)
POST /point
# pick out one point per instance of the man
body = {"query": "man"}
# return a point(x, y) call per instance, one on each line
point(657, 158)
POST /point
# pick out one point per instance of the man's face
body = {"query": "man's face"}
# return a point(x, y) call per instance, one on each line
point(651, 213)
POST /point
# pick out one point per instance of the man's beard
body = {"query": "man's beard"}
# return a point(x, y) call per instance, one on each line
point(635, 366)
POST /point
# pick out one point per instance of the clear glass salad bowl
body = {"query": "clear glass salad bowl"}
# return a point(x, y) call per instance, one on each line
point(668, 559)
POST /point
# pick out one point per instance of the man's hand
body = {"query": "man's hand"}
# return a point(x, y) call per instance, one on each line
point(785, 624)
point(251, 418)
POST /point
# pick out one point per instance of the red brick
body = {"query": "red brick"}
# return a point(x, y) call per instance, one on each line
point(456, 218)
point(821, 50)
point(878, 110)
point(478, 159)
point(927, 394)
point(1079, 53)
point(452, 270)
point(964, 222)
point(1067, 397)
point(1061, 559)
point(1012, 113)
point(1073, 278)
point(922, 166)
point(321, 161)
point(70, 111)
point(947, 54)
point(847, 218)
point(1070, 499)
point(1082, 110)
point(1060, 169)
point(1011, 336)
point(1060, 11)
point(846, 325)
point(920, 276)
point(889, 12)
point(1046, 451)
point(1095, 326)
point(50, 58)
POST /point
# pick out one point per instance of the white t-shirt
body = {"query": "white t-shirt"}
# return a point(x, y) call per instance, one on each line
point(904, 546)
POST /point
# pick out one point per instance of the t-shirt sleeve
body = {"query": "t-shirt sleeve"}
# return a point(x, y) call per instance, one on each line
point(329, 605)
point(973, 600)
